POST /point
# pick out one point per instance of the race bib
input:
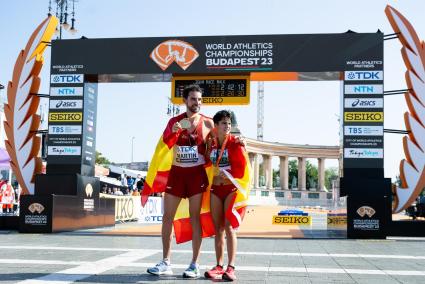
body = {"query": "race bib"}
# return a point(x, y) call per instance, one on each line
point(224, 162)
point(186, 155)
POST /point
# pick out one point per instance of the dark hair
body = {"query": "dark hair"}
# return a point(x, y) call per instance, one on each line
point(191, 88)
point(220, 115)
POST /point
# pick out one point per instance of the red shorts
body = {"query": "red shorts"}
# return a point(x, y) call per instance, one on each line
point(222, 191)
point(186, 182)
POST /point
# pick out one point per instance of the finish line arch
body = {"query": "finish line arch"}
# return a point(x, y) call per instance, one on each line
point(78, 65)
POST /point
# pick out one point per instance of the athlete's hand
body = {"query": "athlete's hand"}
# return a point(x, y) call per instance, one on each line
point(241, 140)
point(176, 127)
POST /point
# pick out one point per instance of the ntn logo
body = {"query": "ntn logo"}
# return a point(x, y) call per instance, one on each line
point(66, 91)
point(363, 89)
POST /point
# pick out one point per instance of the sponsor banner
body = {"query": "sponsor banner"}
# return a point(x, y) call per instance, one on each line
point(363, 89)
point(365, 220)
point(336, 221)
point(361, 142)
point(66, 104)
point(365, 64)
point(66, 91)
point(291, 220)
point(220, 54)
point(364, 116)
point(126, 207)
point(359, 153)
point(67, 79)
point(152, 212)
point(363, 103)
point(65, 117)
point(65, 129)
point(65, 141)
point(230, 90)
point(64, 150)
point(357, 130)
point(366, 75)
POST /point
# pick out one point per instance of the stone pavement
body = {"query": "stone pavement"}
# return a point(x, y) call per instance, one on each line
point(67, 258)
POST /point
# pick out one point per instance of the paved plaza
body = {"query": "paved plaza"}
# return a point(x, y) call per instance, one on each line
point(90, 258)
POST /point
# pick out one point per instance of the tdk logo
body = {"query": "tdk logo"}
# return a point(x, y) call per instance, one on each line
point(364, 75)
point(67, 79)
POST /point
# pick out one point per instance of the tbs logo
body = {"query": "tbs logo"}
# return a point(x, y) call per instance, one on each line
point(364, 75)
point(67, 78)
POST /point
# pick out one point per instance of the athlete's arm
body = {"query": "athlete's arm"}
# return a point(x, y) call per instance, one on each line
point(172, 132)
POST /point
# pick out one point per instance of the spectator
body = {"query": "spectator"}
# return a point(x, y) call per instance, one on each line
point(130, 182)
point(8, 196)
point(124, 180)
point(139, 184)
point(117, 192)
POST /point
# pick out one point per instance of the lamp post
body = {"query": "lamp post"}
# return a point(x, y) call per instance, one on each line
point(132, 148)
point(61, 12)
point(172, 109)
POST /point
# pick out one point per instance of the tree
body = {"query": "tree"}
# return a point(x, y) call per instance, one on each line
point(312, 175)
point(101, 160)
point(330, 175)
point(293, 172)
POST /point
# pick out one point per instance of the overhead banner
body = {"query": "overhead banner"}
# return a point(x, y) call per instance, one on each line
point(218, 55)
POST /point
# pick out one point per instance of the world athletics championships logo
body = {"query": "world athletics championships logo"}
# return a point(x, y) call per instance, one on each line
point(36, 207)
point(366, 210)
point(167, 52)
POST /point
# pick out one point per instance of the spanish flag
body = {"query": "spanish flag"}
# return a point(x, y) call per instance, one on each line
point(241, 179)
point(156, 181)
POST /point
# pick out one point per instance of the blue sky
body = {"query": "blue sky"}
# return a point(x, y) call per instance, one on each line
point(295, 112)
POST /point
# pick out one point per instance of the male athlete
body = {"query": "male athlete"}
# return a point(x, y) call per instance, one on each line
point(187, 178)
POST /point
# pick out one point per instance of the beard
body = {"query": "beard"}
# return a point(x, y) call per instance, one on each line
point(195, 108)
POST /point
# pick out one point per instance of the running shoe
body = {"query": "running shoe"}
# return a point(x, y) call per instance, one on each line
point(192, 271)
point(162, 268)
point(229, 274)
point(215, 273)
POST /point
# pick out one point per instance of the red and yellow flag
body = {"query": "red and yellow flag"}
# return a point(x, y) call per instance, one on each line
point(156, 181)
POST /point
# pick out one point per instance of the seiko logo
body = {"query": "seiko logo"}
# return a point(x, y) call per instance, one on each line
point(364, 75)
point(67, 78)
point(366, 211)
point(65, 116)
point(36, 207)
point(364, 116)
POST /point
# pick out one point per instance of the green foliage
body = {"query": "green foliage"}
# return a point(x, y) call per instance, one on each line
point(100, 160)
point(330, 175)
